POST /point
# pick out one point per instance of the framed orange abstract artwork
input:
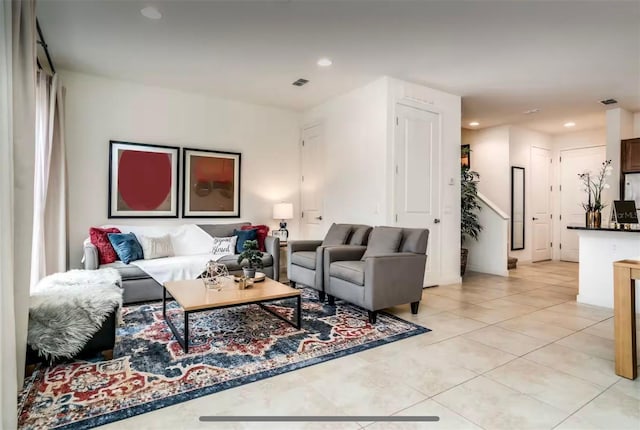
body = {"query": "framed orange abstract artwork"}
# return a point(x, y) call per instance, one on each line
point(143, 180)
point(211, 184)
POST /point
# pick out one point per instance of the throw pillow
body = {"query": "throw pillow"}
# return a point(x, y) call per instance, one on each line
point(98, 237)
point(156, 247)
point(338, 234)
point(383, 241)
point(224, 246)
point(126, 246)
point(263, 232)
point(243, 236)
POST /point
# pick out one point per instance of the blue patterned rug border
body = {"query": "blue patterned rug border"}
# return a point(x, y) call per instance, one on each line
point(205, 391)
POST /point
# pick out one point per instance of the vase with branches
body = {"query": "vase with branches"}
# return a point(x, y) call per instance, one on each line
point(470, 227)
point(594, 185)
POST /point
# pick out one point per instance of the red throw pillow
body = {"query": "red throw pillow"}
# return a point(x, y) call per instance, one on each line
point(262, 231)
point(98, 237)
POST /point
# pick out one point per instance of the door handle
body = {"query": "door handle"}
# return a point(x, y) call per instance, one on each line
point(319, 218)
point(534, 219)
point(436, 221)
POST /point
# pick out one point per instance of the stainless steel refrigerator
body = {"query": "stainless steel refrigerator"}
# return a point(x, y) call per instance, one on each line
point(632, 187)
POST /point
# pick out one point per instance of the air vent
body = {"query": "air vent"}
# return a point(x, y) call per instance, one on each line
point(609, 101)
point(300, 82)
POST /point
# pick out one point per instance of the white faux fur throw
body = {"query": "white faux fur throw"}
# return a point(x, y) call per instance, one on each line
point(67, 309)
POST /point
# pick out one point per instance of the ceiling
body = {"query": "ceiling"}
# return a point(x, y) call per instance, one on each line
point(503, 57)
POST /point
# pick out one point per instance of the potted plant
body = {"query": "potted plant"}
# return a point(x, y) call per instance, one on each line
point(252, 256)
point(469, 205)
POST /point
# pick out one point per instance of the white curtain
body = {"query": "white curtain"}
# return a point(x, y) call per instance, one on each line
point(17, 137)
point(49, 244)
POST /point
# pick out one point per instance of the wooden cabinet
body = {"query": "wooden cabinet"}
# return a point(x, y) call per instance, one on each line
point(630, 155)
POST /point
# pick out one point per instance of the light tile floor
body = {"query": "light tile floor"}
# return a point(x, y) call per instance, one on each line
point(504, 353)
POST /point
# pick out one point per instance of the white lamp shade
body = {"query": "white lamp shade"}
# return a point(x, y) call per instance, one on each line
point(283, 211)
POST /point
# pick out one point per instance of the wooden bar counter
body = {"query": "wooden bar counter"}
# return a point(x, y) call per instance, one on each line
point(625, 272)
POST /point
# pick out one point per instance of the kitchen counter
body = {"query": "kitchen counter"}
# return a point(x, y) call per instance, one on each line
point(599, 248)
point(578, 227)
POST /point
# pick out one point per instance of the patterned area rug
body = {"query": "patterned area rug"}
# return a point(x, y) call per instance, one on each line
point(228, 347)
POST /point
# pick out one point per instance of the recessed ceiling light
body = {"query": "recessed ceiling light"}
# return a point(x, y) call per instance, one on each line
point(151, 12)
point(324, 62)
point(474, 123)
point(569, 124)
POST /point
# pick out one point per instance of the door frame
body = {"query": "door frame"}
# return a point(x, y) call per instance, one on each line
point(558, 175)
point(550, 202)
point(306, 126)
point(425, 107)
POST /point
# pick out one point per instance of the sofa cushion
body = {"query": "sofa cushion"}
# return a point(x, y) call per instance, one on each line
point(127, 271)
point(99, 238)
point(414, 240)
point(337, 235)
point(304, 259)
point(156, 247)
point(360, 235)
point(224, 246)
point(126, 246)
point(262, 232)
point(383, 240)
point(222, 230)
point(243, 236)
point(350, 271)
point(231, 261)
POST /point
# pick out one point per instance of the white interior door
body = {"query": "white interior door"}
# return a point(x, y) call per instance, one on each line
point(312, 190)
point(417, 179)
point(540, 204)
point(573, 162)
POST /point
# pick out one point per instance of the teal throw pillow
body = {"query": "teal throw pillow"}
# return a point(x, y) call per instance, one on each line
point(243, 236)
point(126, 246)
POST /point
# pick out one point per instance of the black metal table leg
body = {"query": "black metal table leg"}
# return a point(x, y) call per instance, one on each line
point(186, 332)
point(297, 323)
point(164, 303)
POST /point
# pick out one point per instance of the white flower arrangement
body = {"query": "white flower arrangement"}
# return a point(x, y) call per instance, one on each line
point(593, 186)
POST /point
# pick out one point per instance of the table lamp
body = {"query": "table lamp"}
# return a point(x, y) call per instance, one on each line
point(283, 212)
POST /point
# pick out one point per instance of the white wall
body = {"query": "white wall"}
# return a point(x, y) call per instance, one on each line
point(490, 158)
point(521, 141)
point(636, 124)
point(355, 155)
point(99, 110)
point(359, 139)
point(620, 125)
point(491, 252)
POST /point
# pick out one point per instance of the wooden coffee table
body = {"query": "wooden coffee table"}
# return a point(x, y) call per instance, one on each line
point(193, 296)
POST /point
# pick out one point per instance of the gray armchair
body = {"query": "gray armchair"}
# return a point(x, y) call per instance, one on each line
point(305, 266)
point(387, 272)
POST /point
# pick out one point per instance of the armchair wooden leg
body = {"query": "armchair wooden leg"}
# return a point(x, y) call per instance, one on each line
point(372, 316)
point(332, 300)
point(414, 307)
point(321, 296)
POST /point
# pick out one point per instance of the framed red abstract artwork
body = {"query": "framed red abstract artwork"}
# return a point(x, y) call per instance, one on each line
point(143, 180)
point(211, 184)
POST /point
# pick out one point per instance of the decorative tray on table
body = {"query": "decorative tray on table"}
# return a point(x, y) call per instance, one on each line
point(258, 278)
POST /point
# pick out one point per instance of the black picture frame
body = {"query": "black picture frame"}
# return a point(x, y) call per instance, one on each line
point(624, 212)
point(514, 169)
point(465, 156)
point(187, 211)
point(113, 191)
